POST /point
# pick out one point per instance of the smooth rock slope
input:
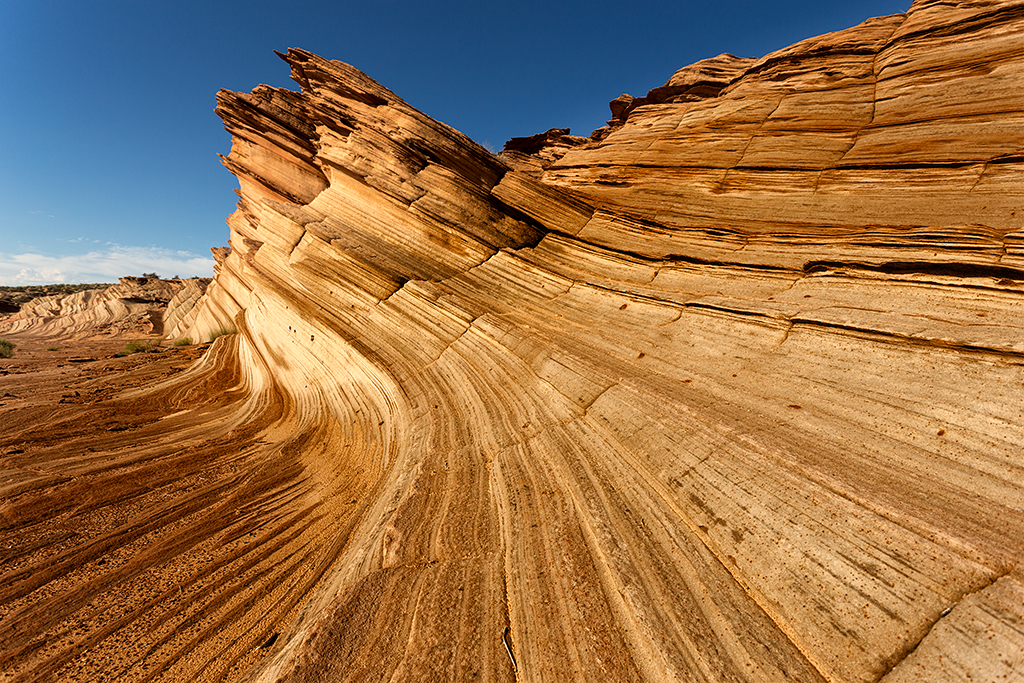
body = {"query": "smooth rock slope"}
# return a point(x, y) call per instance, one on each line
point(730, 391)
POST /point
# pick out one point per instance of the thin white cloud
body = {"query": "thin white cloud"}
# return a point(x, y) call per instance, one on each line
point(105, 265)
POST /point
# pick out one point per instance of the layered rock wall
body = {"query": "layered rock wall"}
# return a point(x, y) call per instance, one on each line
point(897, 141)
point(731, 391)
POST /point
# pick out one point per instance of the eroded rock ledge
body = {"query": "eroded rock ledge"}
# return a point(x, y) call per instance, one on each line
point(731, 393)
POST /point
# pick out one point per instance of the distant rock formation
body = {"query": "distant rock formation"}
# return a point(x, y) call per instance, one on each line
point(134, 306)
point(730, 391)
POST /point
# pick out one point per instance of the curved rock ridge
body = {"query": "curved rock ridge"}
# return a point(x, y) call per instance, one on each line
point(732, 393)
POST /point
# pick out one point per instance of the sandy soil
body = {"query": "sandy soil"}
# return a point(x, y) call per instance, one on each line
point(143, 535)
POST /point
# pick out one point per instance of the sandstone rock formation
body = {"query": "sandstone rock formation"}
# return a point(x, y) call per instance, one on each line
point(730, 392)
point(535, 154)
point(182, 307)
point(134, 306)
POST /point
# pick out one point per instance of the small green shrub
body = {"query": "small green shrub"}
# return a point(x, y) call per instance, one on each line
point(221, 331)
point(137, 347)
point(184, 341)
point(7, 348)
point(51, 348)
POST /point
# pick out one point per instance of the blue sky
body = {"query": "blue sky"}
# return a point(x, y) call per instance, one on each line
point(109, 143)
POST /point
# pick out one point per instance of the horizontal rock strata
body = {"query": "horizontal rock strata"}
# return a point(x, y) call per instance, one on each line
point(729, 392)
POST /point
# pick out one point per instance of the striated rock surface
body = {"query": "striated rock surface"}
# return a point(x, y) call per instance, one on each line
point(730, 392)
point(182, 309)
